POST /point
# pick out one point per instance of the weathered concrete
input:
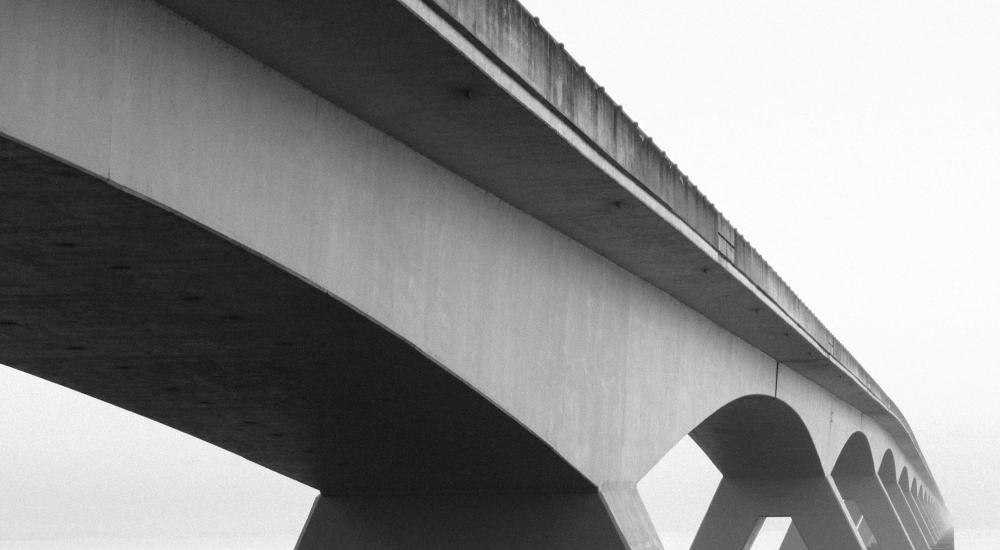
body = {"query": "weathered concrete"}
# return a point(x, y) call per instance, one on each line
point(271, 274)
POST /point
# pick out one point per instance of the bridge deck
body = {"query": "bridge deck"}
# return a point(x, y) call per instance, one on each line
point(483, 90)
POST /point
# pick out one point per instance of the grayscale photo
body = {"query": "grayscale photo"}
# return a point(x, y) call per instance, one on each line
point(499, 275)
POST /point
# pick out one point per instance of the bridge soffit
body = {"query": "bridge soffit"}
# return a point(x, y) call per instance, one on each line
point(829, 421)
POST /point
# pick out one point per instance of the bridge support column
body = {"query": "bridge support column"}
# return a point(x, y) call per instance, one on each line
point(452, 522)
point(813, 503)
point(939, 520)
point(630, 517)
point(940, 515)
point(876, 507)
point(903, 511)
point(932, 525)
point(793, 540)
point(938, 527)
point(917, 513)
point(933, 507)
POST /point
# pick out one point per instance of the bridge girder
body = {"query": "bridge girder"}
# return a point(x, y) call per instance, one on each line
point(213, 225)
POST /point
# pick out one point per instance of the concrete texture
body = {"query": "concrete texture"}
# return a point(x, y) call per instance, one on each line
point(119, 299)
point(533, 115)
point(461, 298)
point(549, 331)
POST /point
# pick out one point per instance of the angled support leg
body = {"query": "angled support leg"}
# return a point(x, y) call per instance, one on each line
point(918, 515)
point(876, 507)
point(935, 514)
point(932, 525)
point(732, 518)
point(932, 534)
point(629, 514)
point(813, 503)
point(793, 540)
point(941, 516)
point(932, 507)
point(904, 512)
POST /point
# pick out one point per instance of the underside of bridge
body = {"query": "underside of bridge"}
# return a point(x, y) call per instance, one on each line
point(395, 65)
point(119, 299)
point(770, 468)
point(106, 292)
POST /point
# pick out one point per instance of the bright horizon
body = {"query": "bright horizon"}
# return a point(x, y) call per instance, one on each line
point(855, 145)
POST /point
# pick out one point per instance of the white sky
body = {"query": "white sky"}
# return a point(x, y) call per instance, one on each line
point(855, 144)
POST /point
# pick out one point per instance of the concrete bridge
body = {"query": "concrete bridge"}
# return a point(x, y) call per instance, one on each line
point(407, 252)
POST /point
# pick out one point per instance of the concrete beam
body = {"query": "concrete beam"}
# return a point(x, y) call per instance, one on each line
point(473, 297)
point(404, 67)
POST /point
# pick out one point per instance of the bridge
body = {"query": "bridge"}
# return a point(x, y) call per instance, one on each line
point(409, 253)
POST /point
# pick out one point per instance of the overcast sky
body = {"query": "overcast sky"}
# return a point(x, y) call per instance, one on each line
point(855, 144)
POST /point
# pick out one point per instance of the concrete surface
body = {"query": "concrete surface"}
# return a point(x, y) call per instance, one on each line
point(816, 510)
point(888, 476)
point(464, 295)
point(532, 114)
point(857, 480)
point(499, 522)
point(115, 297)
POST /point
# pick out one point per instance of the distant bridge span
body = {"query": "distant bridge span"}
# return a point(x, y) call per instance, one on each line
point(408, 253)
